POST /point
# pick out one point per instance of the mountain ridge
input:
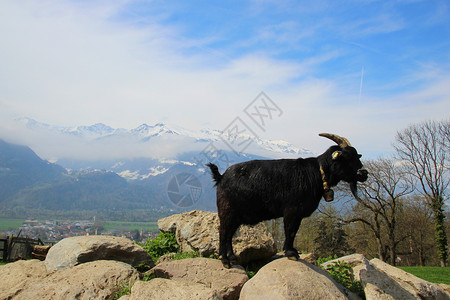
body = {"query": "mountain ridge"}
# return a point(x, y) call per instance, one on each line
point(138, 177)
point(145, 132)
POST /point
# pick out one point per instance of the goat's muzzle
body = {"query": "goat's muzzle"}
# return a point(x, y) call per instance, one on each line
point(362, 175)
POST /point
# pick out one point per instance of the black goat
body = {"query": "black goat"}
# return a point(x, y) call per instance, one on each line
point(258, 190)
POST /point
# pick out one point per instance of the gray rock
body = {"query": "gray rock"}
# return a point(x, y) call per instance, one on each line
point(383, 281)
point(208, 272)
point(77, 250)
point(388, 282)
point(377, 285)
point(287, 279)
point(166, 258)
point(252, 242)
point(165, 289)
point(18, 276)
point(92, 280)
point(199, 231)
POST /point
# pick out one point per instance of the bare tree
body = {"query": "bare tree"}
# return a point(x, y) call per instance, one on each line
point(445, 132)
point(425, 147)
point(380, 204)
point(417, 222)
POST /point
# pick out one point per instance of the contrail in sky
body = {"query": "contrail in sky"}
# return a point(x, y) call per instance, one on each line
point(361, 85)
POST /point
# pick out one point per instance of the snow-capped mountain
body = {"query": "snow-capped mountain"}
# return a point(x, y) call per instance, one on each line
point(159, 165)
point(145, 132)
point(149, 150)
point(95, 130)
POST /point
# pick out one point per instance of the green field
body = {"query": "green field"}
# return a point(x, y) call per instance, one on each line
point(431, 274)
point(145, 226)
point(8, 224)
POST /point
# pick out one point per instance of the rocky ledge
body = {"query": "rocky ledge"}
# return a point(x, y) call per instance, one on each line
point(98, 267)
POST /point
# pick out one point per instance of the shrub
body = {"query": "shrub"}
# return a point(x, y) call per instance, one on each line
point(162, 244)
point(148, 277)
point(250, 273)
point(322, 260)
point(341, 272)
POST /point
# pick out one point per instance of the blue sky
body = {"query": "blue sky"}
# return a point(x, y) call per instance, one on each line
point(362, 69)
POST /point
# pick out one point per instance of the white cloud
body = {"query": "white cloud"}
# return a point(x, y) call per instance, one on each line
point(64, 66)
point(75, 63)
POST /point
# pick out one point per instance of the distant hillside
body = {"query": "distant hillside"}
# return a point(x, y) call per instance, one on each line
point(21, 168)
point(28, 182)
point(153, 168)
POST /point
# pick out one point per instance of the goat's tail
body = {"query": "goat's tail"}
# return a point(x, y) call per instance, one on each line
point(215, 173)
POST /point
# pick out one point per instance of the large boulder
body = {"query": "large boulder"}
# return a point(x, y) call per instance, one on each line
point(17, 276)
point(288, 279)
point(388, 282)
point(383, 281)
point(72, 251)
point(165, 289)
point(92, 280)
point(195, 231)
point(199, 231)
point(208, 272)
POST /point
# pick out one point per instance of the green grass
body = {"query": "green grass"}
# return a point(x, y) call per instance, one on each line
point(8, 224)
point(123, 289)
point(431, 274)
point(145, 226)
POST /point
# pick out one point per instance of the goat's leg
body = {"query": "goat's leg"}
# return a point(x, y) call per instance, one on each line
point(291, 224)
point(225, 216)
point(226, 254)
point(223, 245)
point(227, 228)
point(229, 242)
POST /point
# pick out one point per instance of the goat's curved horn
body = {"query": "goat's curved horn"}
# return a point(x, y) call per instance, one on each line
point(341, 141)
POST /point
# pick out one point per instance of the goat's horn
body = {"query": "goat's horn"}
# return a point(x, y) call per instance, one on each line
point(341, 141)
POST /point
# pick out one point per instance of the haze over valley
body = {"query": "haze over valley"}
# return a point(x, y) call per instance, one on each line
point(152, 167)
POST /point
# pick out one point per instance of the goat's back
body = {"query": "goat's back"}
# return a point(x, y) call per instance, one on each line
point(264, 188)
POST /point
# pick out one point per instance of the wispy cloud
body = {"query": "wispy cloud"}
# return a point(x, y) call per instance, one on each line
point(366, 26)
point(130, 62)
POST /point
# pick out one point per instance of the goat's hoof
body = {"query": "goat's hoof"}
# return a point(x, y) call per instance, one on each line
point(233, 260)
point(292, 255)
point(226, 263)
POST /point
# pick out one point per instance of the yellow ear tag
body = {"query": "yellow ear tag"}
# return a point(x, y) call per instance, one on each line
point(336, 154)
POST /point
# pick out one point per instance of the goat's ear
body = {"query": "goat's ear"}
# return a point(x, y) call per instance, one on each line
point(336, 154)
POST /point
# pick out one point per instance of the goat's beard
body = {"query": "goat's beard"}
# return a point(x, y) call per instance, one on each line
point(354, 189)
